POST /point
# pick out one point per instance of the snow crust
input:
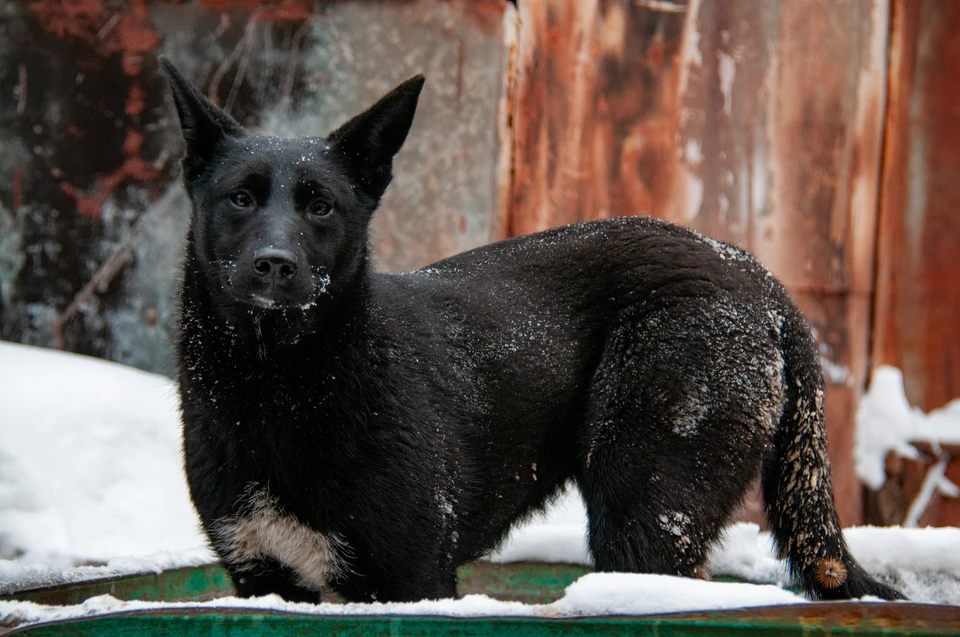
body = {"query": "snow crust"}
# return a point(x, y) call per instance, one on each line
point(91, 472)
point(24, 574)
point(90, 464)
point(592, 595)
point(887, 422)
point(923, 563)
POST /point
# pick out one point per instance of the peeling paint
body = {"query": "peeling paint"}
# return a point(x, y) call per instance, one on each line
point(690, 59)
point(90, 141)
point(727, 70)
point(917, 307)
point(12, 257)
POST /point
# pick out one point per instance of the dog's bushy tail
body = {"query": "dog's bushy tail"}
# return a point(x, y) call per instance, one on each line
point(797, 492)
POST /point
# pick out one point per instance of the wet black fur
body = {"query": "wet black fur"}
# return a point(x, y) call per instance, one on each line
point(419, 416)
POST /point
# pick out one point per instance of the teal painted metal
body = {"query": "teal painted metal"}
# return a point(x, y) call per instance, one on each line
point(864, 620)
point(176, 585)
point(528, 582)
point(533, 583)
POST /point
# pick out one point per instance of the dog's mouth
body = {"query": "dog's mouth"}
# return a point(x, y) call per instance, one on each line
point(271, 299)
point(264, 302)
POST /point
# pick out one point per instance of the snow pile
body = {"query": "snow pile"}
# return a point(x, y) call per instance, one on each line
point(746, 553)
point(923, 563)
point(558, 535)
point(591, 595)
point(631, 594)
point(21, 574)
point(90, 466)
point(886, 422)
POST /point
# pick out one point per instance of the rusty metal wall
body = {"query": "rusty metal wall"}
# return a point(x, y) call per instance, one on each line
point(91, 213)
point(917, 304)
point(820, 135)
point(757, 122)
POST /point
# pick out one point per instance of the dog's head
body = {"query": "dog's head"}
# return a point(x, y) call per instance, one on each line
point(278, 223)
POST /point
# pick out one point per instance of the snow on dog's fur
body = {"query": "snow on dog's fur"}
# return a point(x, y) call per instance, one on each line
point(415, 418)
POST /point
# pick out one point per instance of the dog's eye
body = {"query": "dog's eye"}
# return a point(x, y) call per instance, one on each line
point(320, 208)
point(241, 199)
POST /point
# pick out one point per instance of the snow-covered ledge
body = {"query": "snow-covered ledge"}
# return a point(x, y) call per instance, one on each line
point(887, 423)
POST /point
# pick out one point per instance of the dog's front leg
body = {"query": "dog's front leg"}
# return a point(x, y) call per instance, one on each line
point(267, 576)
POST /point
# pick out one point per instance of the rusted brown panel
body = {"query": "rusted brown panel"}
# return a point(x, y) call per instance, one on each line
point(826, 97)
point(918, 272)
point(593, 109)
point(756, 122)
point(735, 117)
point(813, 167)
point(917, 305)
point(780, 130)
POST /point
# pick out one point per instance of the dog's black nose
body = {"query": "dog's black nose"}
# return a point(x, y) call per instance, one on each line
point(274, 264)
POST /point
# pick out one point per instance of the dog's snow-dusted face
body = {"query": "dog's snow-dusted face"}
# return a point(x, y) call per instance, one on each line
point(278, 223)
point(272, 217)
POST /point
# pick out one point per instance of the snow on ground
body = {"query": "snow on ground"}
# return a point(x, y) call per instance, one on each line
point(90, 466)
point(923, 563)
point(21, 574)
point(591, 595)
point(90, 471)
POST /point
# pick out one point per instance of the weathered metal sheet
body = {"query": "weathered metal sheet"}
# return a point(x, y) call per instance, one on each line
point(91, 215)
point(917, 305)
point(198, 583)
point(535, 583)
point(756, 122)
point(866, 619)
point(594, 100)
point(519, 581)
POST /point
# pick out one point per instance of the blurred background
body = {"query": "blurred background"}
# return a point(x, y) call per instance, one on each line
point(823, 136)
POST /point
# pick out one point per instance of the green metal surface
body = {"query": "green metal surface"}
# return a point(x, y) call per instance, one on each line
point(529, 582)
point(177, 585)
point(866, 620)
point(533, 583)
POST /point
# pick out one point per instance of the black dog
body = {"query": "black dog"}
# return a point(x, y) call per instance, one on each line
point(366, 433)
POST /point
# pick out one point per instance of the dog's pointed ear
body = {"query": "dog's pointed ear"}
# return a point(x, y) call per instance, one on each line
point(370, 140)
point(203, 124)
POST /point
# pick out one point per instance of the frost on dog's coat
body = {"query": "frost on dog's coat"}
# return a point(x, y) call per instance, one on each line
point(365, 434)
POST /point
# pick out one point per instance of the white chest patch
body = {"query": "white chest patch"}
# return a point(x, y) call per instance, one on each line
point(262, 530)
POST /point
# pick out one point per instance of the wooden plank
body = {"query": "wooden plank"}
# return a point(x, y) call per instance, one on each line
point(917, 307)
point(735, 118)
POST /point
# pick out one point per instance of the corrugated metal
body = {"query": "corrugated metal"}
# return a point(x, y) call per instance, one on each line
point(755, 122)
point(917, 306)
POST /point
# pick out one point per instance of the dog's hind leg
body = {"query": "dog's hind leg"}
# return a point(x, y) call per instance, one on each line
point(680, 412)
